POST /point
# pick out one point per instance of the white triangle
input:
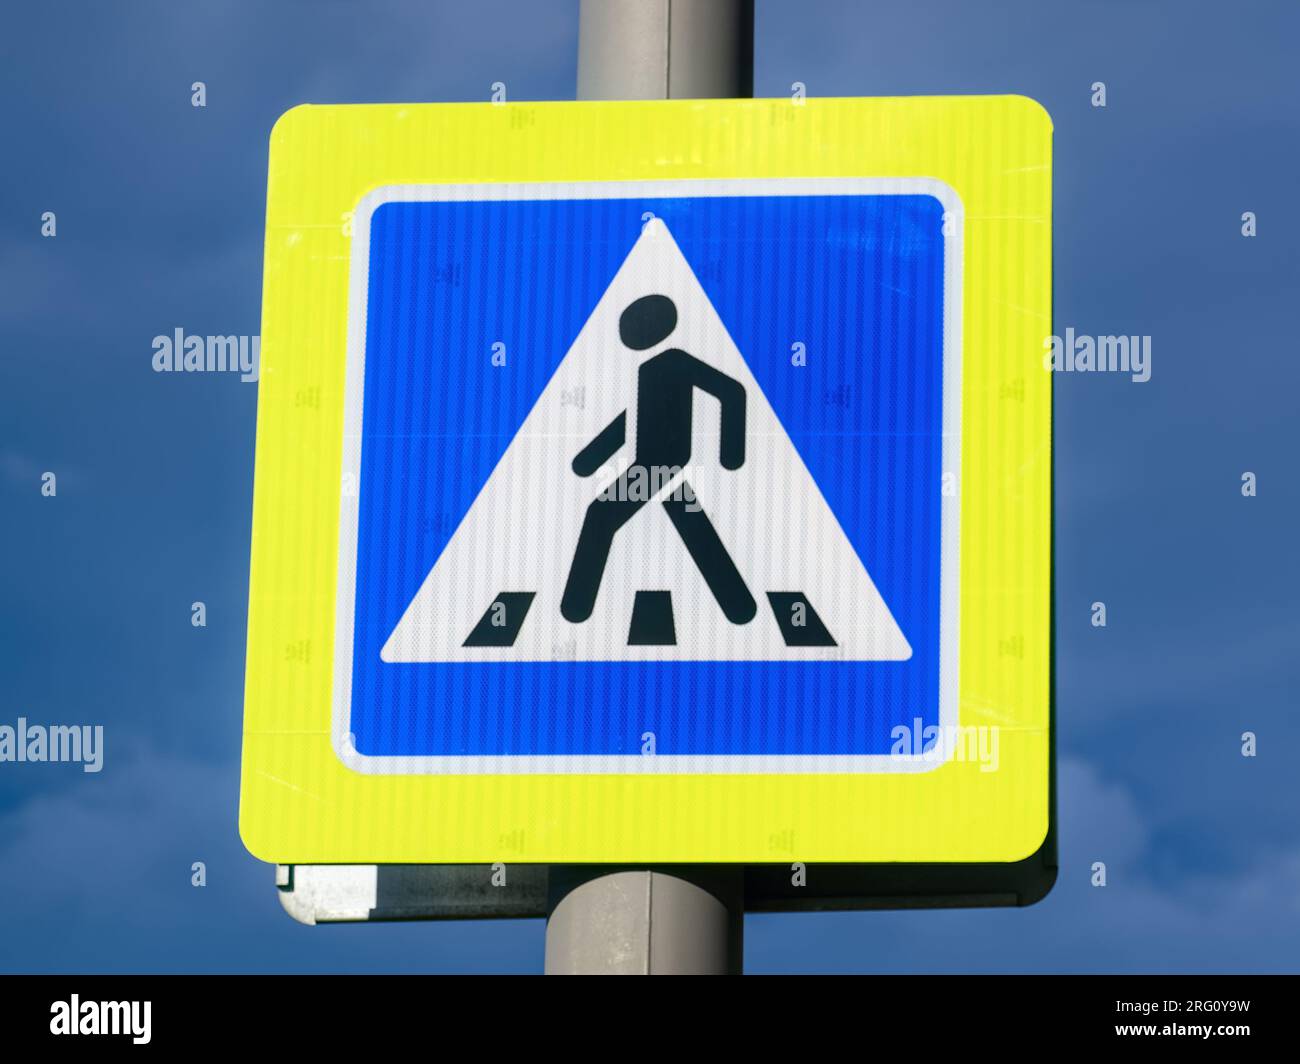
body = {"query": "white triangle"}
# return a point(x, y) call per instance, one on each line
point(520, 533)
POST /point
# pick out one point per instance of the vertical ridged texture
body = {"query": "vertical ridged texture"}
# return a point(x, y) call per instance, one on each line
point(300, 804)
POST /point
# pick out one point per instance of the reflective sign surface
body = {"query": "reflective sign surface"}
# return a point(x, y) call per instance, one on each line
point(672, 497)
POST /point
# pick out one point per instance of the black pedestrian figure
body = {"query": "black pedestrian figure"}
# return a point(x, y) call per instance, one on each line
point(665, 400)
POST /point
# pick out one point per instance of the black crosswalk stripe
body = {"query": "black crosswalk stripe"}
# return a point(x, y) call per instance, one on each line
point(799, 627)
point(652, 620)
point(501, 622)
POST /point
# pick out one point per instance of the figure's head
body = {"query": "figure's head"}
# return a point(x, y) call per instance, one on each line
point(647, 322)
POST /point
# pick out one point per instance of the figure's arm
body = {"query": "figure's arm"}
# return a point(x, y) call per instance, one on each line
point(602, 448)
point(731, 394)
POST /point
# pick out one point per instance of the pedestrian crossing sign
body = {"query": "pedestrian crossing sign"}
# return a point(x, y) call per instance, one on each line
point(658, 481)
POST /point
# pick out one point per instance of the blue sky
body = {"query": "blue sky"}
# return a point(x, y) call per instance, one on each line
point(160, 213)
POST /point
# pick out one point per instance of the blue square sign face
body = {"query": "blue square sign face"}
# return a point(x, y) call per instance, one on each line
point(638, 467)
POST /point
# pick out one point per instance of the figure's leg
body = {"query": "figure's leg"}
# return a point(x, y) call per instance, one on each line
point(710, 556)
point(605, 516)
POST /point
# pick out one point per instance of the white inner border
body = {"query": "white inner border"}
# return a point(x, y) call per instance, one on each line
point(358, 285)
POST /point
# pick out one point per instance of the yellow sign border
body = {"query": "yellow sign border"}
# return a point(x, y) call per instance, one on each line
point(300, 804)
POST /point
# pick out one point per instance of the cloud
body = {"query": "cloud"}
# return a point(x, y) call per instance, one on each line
point(18, 469)
point(131, 830)
point(95, 875)
point(1241, 921)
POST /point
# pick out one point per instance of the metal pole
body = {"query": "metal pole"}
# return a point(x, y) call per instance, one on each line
point(665, 49)
point(678, 920)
